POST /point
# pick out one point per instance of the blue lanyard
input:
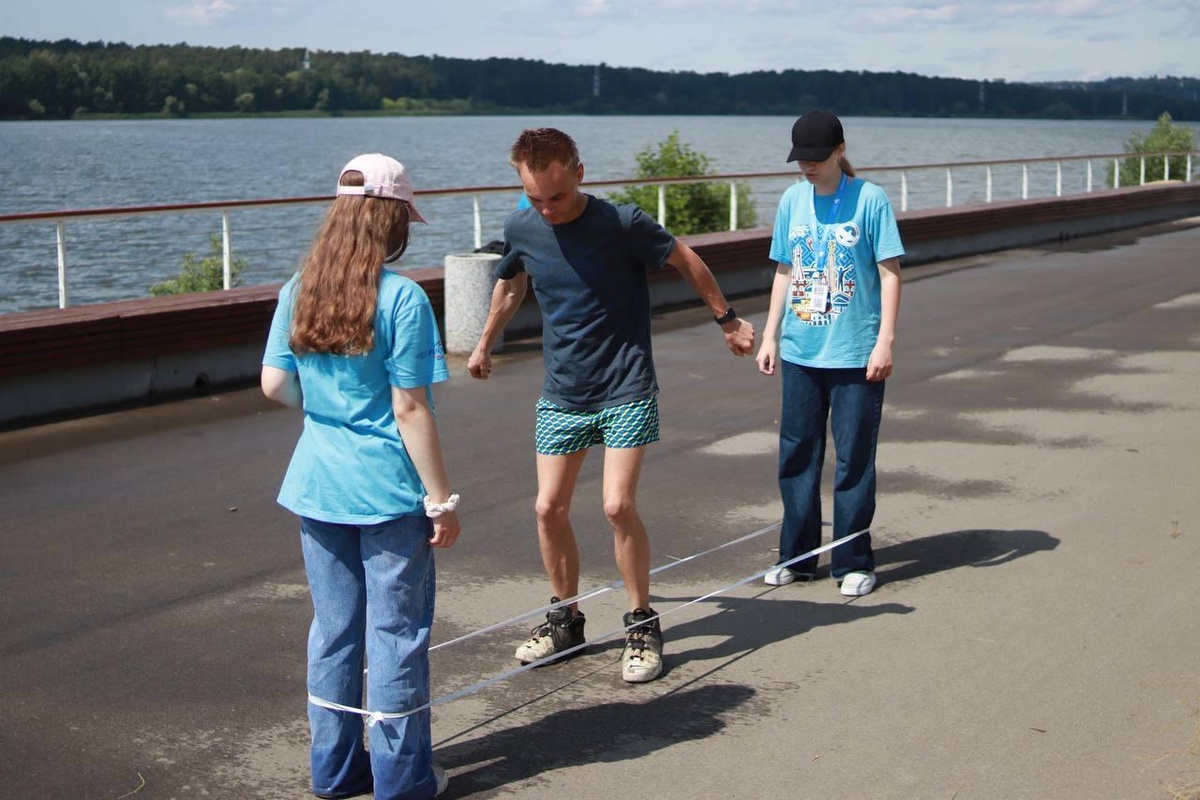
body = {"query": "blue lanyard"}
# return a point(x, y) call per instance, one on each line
point(820, 254)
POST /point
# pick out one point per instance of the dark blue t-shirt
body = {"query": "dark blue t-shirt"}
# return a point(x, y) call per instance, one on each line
point(589, 277)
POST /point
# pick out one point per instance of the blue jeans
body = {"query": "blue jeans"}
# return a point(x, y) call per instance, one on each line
point(810, 396)
point(372, 590)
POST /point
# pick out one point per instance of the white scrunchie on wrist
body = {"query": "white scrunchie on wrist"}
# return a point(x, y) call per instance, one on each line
point(434, 510)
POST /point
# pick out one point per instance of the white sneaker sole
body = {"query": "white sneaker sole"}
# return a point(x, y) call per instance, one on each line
point(858, 587)
point(785, 576)
point(642, 674)
point(779, 577)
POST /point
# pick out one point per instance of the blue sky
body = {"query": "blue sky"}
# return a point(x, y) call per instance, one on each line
point(1016, 40)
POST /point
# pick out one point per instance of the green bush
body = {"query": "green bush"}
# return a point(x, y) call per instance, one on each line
point(174, 107)
point(691, 207)
point(1165, 136)
point(202, 275)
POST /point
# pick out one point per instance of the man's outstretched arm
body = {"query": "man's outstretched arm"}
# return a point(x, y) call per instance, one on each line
point(739, 334)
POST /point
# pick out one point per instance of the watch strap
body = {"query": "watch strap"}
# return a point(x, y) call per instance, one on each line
point(729, 316)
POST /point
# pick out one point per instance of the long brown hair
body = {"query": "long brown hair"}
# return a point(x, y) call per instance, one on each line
point(339, 280)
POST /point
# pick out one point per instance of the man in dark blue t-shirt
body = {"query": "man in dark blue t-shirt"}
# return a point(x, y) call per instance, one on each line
point(588, 260)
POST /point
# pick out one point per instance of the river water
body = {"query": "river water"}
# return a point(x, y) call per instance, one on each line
point(55, 166)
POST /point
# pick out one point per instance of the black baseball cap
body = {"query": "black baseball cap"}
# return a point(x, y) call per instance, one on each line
point(815, 135)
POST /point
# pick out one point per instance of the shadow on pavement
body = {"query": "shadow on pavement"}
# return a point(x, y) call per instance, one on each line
point(618, 731)
point(606, 732)
point(917, 558)
point(750, 623)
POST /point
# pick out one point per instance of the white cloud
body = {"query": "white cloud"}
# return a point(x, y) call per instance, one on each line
point(1010, 39)
point(201, 13)
point(740, 6)
point(594, 8)
point(1063, 9)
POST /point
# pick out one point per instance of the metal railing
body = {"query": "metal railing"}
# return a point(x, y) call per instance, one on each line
point(1181, 161)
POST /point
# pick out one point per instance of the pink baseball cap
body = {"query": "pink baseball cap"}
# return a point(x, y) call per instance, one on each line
point(383, 176)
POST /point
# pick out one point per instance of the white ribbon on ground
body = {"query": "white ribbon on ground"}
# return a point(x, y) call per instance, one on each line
point(374, 717)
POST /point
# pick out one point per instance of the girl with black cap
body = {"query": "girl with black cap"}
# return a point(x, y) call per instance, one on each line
point(829, 331)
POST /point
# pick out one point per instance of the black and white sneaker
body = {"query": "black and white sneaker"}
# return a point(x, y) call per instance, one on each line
point(561, 631)
point(641, 660)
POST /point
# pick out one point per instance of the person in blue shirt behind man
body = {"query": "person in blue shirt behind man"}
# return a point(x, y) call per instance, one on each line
point(587, 259)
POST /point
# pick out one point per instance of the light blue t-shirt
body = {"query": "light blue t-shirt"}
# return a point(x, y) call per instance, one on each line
point(843, 334)
point(350, 465)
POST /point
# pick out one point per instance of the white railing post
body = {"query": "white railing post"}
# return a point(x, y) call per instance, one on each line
point(1186, 163)
point(1142, 179)
point(226, 251)
point(478, 224)
point(733, 207)
point(63, 297)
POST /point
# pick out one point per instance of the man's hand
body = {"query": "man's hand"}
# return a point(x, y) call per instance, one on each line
point(739, 335)
point(480, 364)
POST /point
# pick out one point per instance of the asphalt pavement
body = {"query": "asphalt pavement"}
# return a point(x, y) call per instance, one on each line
point(1035, 632)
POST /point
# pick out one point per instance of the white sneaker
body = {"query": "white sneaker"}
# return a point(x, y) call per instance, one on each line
point(641, 660)
point(856, 584)
point(443, 780)
point(782, 576)
point(779, 576)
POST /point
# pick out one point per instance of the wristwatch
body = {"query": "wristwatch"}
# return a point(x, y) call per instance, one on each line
point(729, 316)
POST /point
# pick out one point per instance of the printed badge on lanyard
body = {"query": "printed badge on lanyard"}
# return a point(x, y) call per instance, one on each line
point(817, 300)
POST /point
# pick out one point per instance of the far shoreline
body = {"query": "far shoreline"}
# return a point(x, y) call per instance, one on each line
point(312, 114)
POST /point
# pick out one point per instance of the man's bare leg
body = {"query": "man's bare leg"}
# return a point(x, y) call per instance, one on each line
point(631, 544)
point(560, 552)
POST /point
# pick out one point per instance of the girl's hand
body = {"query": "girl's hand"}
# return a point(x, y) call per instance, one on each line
point(446, 528)
point(879, 366)
point(768, 356)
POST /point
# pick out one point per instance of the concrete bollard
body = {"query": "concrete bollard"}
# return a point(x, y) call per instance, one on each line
point(468, 295)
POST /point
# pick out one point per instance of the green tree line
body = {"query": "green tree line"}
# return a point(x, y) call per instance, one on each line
point(66, 78)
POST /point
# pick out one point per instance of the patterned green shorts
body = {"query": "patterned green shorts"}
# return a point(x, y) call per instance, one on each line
point(560, 431)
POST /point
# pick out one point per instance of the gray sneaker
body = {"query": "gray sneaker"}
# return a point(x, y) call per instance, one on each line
point(561, 631)
point(641, 660)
